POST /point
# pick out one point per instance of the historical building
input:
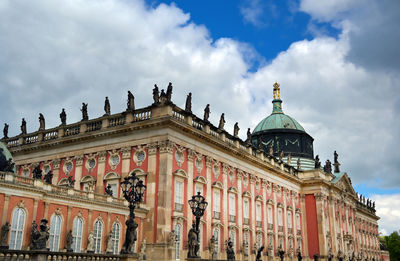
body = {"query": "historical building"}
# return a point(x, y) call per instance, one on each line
point(268, 190)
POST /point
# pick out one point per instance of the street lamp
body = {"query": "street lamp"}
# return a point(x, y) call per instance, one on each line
point(198, 206)
point(133, 189)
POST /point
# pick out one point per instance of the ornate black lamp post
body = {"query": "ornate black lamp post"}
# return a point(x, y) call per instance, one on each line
point(198, 206)
point(133, 189)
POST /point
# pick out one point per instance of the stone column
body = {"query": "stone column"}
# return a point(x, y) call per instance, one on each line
point(208, 215)
point(225, 210)
point(190, 192)
point(56, 171)
point(265, 213)
point(101, 168)
point(319, 197)
point(151, 192)
point(126, 161)
point(69, 213)
point(333, 229)
point(46, 210)
point(239, 210)
point(35, 207)
point(276, 190)
point(5, 208)
point(78, 171)
point(304, 224)
point(253, 221)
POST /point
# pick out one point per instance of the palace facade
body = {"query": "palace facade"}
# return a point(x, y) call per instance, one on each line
point(265, 191)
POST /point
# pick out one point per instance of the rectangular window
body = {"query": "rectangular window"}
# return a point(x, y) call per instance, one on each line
point(289, 221)
point(270, 215)
point(179, 192)
point(280, 217)
point(217, 201)
point(246, 208)
point(232, 205)
point(258, 212)
point(298, 221)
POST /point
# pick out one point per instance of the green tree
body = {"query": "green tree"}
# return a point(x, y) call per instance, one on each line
point(392, 243)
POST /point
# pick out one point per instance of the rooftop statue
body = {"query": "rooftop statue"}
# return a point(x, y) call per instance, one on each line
point(42, 125)
point(5, 131)
point(9, 166)
point(23, 126)
point(156, 94)
point(335, 156)
point(206, 113)
point(236, 129)
point(328, 166)
point(222, 121)
point(84, 111)
point(169, 92)
point(248, 140)
point(317, 164)
point(289, 159)
point(130, 104)
point(107, 107)
point(188, 104)
point(281, 154)
point(63, 117)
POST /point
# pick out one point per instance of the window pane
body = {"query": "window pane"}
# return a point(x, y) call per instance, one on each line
point(17, 228)
point(77, 235)
point(98, 230)
point(115, 238)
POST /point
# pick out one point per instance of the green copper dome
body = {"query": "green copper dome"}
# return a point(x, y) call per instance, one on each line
point(278, 120)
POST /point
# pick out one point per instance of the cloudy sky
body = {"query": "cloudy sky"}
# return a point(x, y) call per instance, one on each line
point(337, 61)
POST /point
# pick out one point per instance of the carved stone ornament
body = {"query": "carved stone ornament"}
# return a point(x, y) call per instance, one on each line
point(139, 156)
point(231, 176)
point(58, 212)
point(166, 146)
point(78, 160)
point(190, 154)
point(102, 156)
point(199, 163)
point(258, 185)
point(91, 162)
point(239, 174)
point(126, 152)
point(21, 204)
point(68, 166)
point(216, 169)
point(269, 190)
point(209, 161)
point(179, 157)
point(152, 148)
point(245, 181)
point(114, 159)
point(80, 214)
point(56, 163)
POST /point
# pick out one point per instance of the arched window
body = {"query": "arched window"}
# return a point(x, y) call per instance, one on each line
point(115, 237)
point(289, 221)
point(17, 228)
point(55, 231)
point(77, 235)
point(97, 235)
point(177, 241)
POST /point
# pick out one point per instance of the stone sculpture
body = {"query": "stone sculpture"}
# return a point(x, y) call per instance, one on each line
point(281, 154)
point(131, 236)
point(5, 131)
point(34, 230)
point(299, 257)
point(40, 237)
point(143, 247)
point(42, 124)
point(171, 238)
point(68, 241)
point(222, 121)
point(281, 253)
point(108, 190)
point(107, 107)
point(90, 244)
point(156, 94)
point(37, 172)
point(169, 92)
point(4, 235)
point(206, 113)
point(48, 177)
point(188, 104)
point(9, 167)
point(84, 111)
point(236, 129)
point(23, 126)
point(71, 182)
point(259, 253)
point(130, 104)
point(248, 140)
point(63, 117)
point(230, 252)
point(317, 163)
point(328, 166)
point(212, 247)
point(109, 249)
point(289, 159)
point(193, 242)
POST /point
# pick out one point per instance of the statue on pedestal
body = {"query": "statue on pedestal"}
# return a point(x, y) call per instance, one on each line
point(71, 182)
point(39, 237)
point(317, 163)
point(130, 104)
point(248, 140)
point(222, 121)
point(230, 252)
point(212, 247)
point(188, 104)
point(236, 129)
point(108, 190)
point(90, 243)
point(68, 242)
point(84, 111)
point(48, 177)
point(109, 249)
point(193, 242)
point(107, 107)
point(171, 238)
point(63, 117)
point(37, 172)
point(23, 126)
point(328, 166)
point(259, 253)
point(4, 235)
point(42, 125)
point(142, 254)
point(281, 154)
point(169, 92)
point(156, 94)
point(5, 131)
point(131, 236)
point(281, 253)
point(206, 113)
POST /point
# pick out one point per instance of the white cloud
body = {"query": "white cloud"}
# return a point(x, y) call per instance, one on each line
point(388, 209)
point(59, 54)
point(327, 10)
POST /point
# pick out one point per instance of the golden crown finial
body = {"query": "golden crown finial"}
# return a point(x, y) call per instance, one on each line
point(277, 91)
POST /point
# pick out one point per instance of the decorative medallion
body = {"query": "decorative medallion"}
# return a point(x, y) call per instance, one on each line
point(68, 166)
point(231, 177)
point(199, 164)
point(139, 156)
point(114, 159)
point(245, 181)
point(179, 157)
point(91, 162)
